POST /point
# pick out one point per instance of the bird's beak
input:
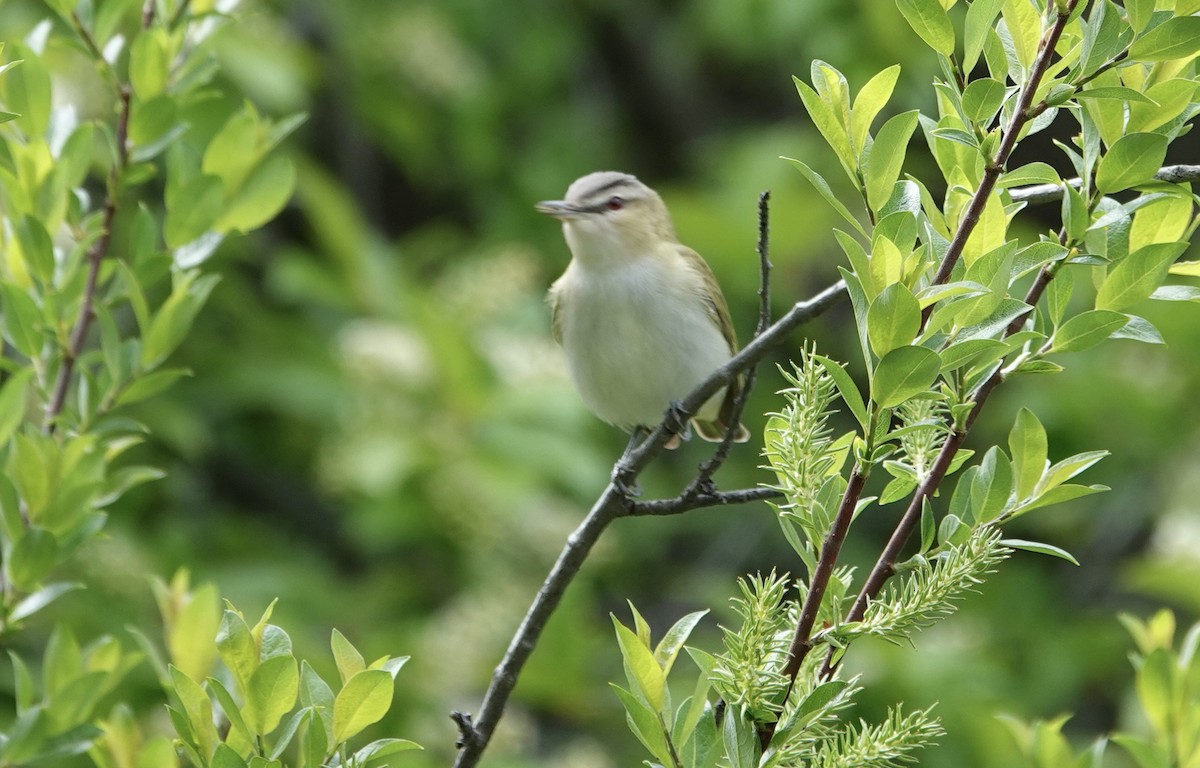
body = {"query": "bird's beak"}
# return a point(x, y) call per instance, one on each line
point(559, 209)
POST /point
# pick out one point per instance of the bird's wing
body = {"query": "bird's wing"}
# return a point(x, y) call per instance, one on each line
point(552, 299)
point(714, 300)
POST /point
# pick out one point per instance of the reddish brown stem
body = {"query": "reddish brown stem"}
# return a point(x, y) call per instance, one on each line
point(1020, 116)
point(99, 250)
point(831, 549)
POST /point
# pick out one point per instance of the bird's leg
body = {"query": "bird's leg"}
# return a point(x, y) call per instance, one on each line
point(622, 475)
point(677, 423)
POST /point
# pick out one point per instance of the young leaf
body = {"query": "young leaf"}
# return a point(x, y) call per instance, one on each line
point(894, 319)
point(1086, 330)
point(1137, 276)
point(886, 157)
point(981, 100)
point(931, 22)
point(1040, 548)
point(349, 661)
point(827, 122)
point(822, 187)
point(1027, 444)
point(1175, 38)
point(644, 723)
point(364, 700)
point(1132, 160)
point(272, 693)
point(869, 101)
point(677, 635)
point(904, 373)
point(645, 673)
point(846, 388)
point(197, 708)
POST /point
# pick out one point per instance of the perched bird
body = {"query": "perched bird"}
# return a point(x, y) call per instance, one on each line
point(640, 316)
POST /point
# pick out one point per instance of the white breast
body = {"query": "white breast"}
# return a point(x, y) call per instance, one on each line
point(638, 336)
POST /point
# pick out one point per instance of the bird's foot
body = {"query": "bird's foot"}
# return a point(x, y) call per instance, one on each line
point(624, 481)
point(677, 424)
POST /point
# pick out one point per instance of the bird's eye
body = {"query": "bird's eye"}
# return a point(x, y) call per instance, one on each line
point(614, 204)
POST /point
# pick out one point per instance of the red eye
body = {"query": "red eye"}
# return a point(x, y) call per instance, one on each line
point(615, 204)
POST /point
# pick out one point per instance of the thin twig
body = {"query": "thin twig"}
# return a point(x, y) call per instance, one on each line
point(702, 483)
point(703, 500)
point(99, 250)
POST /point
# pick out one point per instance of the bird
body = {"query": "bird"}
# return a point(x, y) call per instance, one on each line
point(640, 316)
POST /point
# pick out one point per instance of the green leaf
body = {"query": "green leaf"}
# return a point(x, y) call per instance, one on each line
point(1028, 447)
point(363, 701)
point(226, 757)
point(991, 486)
point(1137, 275)
point(191, 635)
point(1156, 685)
point(150, 385)
point(981, 100)
point(886, 157)
point(846, 388)
point(1132, 160)
point(22, 320)
point(31, 558)
point(260, 198)
point(827, 123)
point(741, 741)
point(645, 675)
point(349, 661)
point(823, 188)
point(644, 723)
point(978, 24)
point(197, 708)
point(1163, 103)
point(1139, 13)
point(868, 103)
point(272, 693)
point(382, 748)
point(235, 149)
point(1148, 754)
point(199, 203)
point(894, 319)
point(13, 400)
point(904, 373)
point(1040, 548)
point(174, 318)
point(931, 22)
point(1058, 495)
point(237, 648)
point(1086, 330)
point(316, 693)
point(1031, 173)
point(677, 635)
point(1175, 38)
point(35, 602)
point(149, 63)
point(1116, 93)
point(232, 711)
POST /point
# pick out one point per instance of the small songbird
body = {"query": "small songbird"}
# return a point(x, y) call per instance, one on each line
point(640, 316)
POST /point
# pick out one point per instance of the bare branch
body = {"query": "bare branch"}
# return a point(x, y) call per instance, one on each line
point(1049, 193)
point(700, 500)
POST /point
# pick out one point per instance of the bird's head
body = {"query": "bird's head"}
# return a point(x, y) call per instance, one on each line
point(608, 216)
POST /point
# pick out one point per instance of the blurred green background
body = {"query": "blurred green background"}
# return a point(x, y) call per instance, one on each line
point(379, 430)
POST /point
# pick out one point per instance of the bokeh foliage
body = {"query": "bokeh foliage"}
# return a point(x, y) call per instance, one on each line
point(377, 429)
